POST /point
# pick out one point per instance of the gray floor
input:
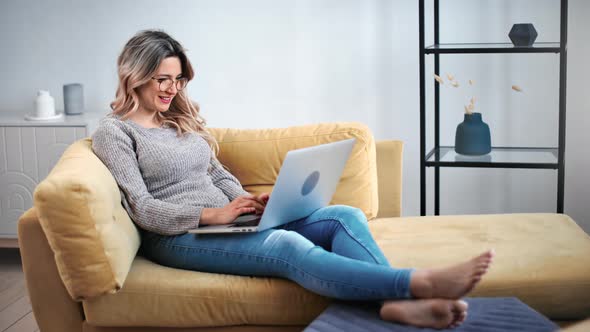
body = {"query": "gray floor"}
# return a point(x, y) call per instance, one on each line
point(15, 308)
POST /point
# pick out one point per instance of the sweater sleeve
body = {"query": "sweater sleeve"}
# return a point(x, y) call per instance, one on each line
point(225, 181)
point(115, 149)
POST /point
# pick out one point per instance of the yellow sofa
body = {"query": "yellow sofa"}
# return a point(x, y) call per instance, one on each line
point(79, 247)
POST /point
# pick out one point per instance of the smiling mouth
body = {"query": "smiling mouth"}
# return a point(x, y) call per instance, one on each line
point(165, 100)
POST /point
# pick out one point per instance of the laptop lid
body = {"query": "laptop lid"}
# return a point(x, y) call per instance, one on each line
point(306, 182)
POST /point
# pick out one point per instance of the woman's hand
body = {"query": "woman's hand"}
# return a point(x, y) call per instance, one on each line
point(237, 207)
point(262, 199)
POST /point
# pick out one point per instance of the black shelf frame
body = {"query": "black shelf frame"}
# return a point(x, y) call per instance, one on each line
point(482, 48)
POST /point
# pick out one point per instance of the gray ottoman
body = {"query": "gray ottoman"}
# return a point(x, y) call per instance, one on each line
point(484, 315)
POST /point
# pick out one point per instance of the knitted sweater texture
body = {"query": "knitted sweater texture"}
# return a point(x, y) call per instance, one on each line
point(165, 180)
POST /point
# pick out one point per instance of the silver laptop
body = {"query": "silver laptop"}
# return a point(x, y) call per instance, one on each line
point(306, 182)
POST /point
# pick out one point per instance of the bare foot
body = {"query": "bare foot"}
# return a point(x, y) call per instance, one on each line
point(452, 282)
point(431, 313)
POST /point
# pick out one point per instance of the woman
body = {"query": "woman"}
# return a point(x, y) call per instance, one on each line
point(156, 146)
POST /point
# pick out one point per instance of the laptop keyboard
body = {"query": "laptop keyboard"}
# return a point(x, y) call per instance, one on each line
point(246, 223)
point(249, 219)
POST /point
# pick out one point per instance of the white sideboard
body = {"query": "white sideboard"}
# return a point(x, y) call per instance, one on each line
point(28, 152)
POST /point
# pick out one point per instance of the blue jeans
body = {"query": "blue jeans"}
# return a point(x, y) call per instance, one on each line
point(331, 253)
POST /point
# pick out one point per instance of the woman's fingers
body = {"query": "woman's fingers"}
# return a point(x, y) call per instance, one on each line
point(251, 204)
point(257, 202)
point(259, 207)
point(264, 197)
point(244, 210)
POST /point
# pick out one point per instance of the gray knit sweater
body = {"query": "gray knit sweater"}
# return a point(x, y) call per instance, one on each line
point(165, 180)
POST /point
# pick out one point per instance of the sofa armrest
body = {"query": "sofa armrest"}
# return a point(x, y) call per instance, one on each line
point(53, 308)
point(389, 173)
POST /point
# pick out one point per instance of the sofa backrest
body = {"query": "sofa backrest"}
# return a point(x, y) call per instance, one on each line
point(389, 172)
point(93, 239)
point(255, 157)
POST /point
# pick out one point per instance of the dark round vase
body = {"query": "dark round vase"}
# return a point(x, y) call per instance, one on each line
point(473, 136)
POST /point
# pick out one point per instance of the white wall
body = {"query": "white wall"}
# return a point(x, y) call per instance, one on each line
point(264, 63)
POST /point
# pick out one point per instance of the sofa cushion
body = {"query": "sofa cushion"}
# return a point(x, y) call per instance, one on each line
point(155, 295)
point(255, 156)
point(92, 237)
point(543, 259)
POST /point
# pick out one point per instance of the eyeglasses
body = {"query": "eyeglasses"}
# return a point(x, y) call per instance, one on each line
point(166, 83)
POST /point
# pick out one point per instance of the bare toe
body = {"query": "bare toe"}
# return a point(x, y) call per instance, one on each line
point(432, 313)
point(459, 312)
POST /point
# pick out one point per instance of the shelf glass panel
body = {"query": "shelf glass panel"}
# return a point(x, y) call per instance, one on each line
point(498, 155)
point(540, 47)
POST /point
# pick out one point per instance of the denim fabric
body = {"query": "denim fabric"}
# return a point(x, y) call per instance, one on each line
point(331, 253)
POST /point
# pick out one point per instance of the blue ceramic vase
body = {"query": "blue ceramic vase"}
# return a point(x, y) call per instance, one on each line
point(473, 136)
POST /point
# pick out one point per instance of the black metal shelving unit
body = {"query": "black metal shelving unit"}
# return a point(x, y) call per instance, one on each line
point(500, 157)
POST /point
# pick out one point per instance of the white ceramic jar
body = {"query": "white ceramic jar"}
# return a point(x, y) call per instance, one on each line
point(44, 105)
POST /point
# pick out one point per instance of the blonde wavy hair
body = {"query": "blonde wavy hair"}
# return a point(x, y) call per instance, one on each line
point(137, 63)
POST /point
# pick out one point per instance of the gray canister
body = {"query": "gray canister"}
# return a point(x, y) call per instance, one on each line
point(73, 99)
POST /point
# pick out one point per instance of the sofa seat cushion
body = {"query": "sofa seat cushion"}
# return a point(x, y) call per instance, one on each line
point(540, 258)
point(154, 295)
point(543, 259)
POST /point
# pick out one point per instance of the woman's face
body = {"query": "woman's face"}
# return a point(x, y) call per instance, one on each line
point(151, 99)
